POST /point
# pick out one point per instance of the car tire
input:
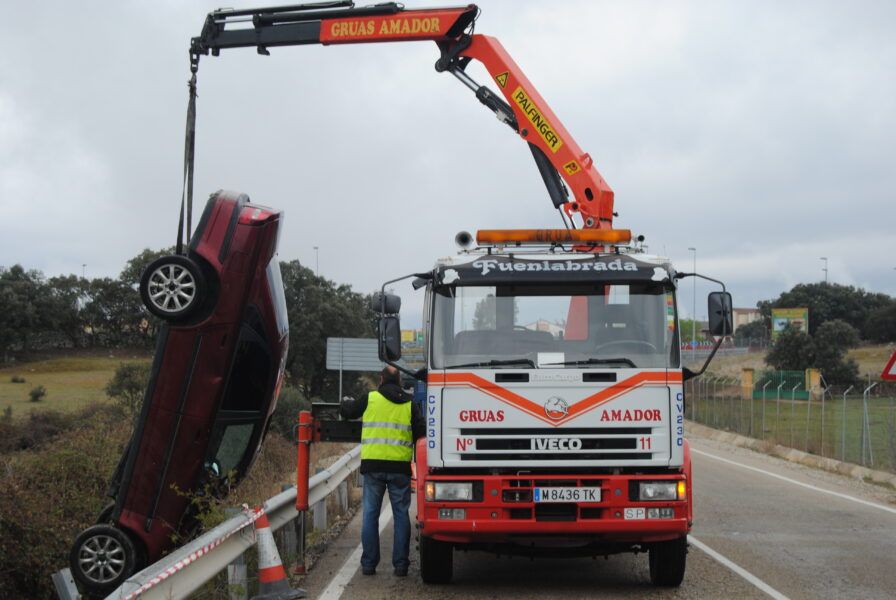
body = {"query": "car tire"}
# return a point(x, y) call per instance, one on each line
point(172, 287)
point(436, 561)
point(668, 561)
point(102, 558)
point(105, 515)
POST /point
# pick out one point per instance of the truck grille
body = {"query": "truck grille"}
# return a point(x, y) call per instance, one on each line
point(528, 444)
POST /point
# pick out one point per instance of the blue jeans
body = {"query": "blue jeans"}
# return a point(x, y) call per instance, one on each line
point(399, 486)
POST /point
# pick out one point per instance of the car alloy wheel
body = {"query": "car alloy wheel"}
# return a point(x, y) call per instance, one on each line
point(101, 558)
point(172, 287)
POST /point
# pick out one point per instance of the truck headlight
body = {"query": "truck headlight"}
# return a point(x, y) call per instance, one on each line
point(658, 490)
point(449, 491)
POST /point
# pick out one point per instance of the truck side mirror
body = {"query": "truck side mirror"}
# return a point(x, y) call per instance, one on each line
point(389, 338)
point(385, 304)
point(720, 314)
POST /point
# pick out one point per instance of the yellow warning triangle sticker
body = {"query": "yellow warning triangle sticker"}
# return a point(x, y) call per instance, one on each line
point(501, 79)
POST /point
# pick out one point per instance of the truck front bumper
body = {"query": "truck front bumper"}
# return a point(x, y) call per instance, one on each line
point(504, 510)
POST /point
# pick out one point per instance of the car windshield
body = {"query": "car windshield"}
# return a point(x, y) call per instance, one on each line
point(555, 326)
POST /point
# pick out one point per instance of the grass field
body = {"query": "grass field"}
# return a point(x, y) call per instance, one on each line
point(71, 381)
point(871, 360)
point(832, 428)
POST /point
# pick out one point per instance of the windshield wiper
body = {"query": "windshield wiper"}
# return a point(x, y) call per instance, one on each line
point(496, 363)
point(594, 361)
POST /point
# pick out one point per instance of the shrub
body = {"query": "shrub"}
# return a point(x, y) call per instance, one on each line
point(17, 379)
point(290, 402)
point(797, 351)
point(37, 393)
point(42, 427)
point(128, 385)
point(49, 495)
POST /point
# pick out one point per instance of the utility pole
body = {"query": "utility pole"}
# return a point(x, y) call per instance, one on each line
point(825, 268)
point(316, 262)
point(84, 271)
point(694, 313)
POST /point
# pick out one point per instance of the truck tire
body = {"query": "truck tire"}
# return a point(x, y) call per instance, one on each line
point(436, 561)
point(667, 562)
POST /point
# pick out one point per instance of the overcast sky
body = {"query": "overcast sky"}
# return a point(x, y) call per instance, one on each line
point(761, 133)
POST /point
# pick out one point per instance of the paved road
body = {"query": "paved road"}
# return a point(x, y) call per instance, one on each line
point(773, 536)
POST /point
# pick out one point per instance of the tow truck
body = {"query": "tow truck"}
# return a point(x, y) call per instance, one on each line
point(553, 378)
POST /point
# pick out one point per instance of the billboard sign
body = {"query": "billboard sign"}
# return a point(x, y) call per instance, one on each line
point(789, 317)
point(353, 354)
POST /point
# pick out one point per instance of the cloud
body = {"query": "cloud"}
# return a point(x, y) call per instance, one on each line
point(762, 133)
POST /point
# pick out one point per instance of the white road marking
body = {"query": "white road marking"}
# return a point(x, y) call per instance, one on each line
point(350, 566)
point(737, 569)
point(795, 482)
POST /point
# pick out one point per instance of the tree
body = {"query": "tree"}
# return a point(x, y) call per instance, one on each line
point(880, 325)
point(485, 316)
point(751, 332)
point(128, 385)
point(134, 267)
point(686, 329)
point(828, 301)
point(24, 308)
point(793, 350)
point(318, 309)
point(114, 315)
point(832, 341)
point(67, 296)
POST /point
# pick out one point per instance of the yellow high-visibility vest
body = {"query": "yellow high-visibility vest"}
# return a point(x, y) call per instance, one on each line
point(386, 430)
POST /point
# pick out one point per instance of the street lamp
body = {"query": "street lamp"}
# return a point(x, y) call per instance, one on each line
point(825, 269)
point(694, 313)
point(316, 262)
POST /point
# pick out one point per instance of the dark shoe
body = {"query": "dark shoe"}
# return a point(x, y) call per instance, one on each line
point(366, 571)
point(401, 572)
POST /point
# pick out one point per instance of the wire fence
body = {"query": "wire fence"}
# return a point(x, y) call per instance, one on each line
point(856, 424)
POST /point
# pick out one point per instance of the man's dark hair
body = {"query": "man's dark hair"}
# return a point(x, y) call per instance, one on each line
point(391, 375)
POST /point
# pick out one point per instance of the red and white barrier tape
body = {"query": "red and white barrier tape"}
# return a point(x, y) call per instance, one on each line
point(195, 555)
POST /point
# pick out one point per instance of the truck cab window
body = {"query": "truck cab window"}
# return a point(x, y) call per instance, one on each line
point(570, 322)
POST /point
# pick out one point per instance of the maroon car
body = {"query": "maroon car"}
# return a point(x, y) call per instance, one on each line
point(217, 371)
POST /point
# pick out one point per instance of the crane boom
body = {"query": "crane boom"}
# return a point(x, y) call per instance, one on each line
point(557, 155)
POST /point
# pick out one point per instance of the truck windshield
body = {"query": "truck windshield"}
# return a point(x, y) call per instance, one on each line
point(555, 326)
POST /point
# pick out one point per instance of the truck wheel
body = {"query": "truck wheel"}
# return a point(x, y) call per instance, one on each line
point(436, 560)
point(172, 287)
point(102, 557)
point(667, 562)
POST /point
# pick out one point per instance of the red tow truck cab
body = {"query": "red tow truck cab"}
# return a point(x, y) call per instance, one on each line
point(554, 405)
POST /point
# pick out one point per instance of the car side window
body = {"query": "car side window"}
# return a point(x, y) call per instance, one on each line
point(249, 377)
point(234, 443)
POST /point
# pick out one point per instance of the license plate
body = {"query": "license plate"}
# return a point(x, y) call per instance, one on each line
point(567, 494)
point(634, 513)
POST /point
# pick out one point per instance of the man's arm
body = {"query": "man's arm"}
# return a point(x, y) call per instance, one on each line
point(418, 421)
point(352, 409)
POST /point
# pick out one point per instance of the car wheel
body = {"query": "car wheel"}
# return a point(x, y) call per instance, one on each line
point(102, 557)
point(668, 561)
point(172, 287)
point(436, 560)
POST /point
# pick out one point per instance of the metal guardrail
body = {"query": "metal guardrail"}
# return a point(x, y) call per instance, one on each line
point(189, 567)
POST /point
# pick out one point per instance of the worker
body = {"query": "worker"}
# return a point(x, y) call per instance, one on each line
point(391, 423)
